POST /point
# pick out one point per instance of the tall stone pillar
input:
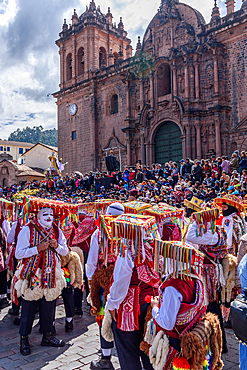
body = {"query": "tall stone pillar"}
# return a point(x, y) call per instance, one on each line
point(174, 79)
point(186, 78)
point(188, 141)
point(216, 76)
point(74, 62)
point(141, 94)
point(128, 152)
point(184, 146)
point(151, 91)
point(198, 142)
point(197, 83)
point(128, 99)
point(143, 152)
point(217, 139)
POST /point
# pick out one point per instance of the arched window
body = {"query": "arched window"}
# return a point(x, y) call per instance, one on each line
point(69, 67)
point(115, 57)
point(80, 61)
point(114, 104)
point(102, 57)
point(164, 79)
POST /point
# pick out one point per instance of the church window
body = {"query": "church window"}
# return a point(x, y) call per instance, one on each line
point(1, 148)
point(102, 57)
point(8, 149)
point(20, 150)
point(115, 57)
point(69, 67)
point(73, 135)
point(80, 60)
point(164, 79)
point(114, 104)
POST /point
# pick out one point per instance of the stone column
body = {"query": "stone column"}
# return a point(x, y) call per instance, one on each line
point(74, 64)
point(184, 146)
point(143, 153)
point(128, 152)
point(217, 139)
point(197, 84)
point(128, 99)
point(174, 79)
point(198, 142)
point(216, 77)
point(141, 94)
point(151, 91)
point(62, 67)
point(188, 141)
point(186, 80)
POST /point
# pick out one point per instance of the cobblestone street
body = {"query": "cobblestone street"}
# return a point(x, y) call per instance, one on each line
point(81, 348)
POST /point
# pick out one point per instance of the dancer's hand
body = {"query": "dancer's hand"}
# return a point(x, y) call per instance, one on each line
point(53, 243)
point(113, 313)
point(154, 301)
point(43, 246)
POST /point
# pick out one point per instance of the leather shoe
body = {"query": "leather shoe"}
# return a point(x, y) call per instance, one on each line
point(25, 347)
point(69, 326)
point(4, 303)
point(49, 340)
point(103, 363)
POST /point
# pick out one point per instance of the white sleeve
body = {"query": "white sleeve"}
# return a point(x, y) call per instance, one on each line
point(11, 234)
point(93, 256)
point(62, 248)
point(166, 315)
point(6, 227)
point(208, 238)
point(23, 249)
point(121, 281)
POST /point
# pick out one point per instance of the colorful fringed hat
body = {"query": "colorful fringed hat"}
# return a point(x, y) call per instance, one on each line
point(132, 230)
point(181, 254)
point(6, 209)
point(61, 210)
point(163, 210)
point(87, 208)
point(108, 244)
point(204, 217)
point(102, 205)
point(195, 204)
point(231, 200)
point(136, 207)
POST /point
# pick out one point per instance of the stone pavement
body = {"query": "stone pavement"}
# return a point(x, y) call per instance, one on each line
point(81, 348)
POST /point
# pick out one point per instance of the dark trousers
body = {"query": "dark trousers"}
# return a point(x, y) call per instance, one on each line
point(28, 311)
point(103, 343)
point(128, 345)
point(214, 307)
point(68, 300)
point(3, 282)
point(78, 293)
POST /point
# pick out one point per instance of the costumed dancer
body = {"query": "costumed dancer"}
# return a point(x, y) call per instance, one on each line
point(203, 234)
point(39, 280)
point(133, 279)
point(12, 262)
point(94, 266)
point(82, 239)
point(242, 270)
point(178, 335)
point(233, 223)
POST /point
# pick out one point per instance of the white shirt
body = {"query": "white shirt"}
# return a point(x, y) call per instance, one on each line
point(11, 233)
point(195, 239)
point(121, 281)
point(23, 249)
point(166, 315)
point(93, 255)
point(6, 227)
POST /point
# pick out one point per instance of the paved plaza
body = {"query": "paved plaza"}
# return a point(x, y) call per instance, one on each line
point(81, 348)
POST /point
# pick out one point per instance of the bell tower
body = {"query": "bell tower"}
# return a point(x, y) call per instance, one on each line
point(92, 42)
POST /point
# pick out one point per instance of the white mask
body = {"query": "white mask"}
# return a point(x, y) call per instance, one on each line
point(45, 217)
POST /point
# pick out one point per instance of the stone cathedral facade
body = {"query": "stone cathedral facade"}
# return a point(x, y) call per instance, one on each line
point(193, 103)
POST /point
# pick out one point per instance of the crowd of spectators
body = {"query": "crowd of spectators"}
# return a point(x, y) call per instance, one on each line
point(206, 179)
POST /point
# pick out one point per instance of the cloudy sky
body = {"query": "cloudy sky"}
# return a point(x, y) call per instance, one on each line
point(29, 60)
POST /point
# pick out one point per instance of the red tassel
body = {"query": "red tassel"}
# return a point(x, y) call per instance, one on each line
point(148, 298)
point(180, 363)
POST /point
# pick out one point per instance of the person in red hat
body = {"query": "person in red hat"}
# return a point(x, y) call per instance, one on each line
point(40, 279)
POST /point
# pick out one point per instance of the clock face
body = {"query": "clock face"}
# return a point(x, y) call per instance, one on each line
point(73, 109)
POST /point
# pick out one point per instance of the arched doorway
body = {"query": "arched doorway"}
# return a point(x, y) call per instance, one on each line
point(168, 144)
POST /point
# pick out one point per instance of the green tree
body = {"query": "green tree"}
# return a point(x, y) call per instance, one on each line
point(35, 135)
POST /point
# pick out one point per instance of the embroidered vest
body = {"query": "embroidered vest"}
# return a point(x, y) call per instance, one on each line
point(45, 260)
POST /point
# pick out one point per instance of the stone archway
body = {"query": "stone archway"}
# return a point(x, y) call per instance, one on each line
point(168, 143)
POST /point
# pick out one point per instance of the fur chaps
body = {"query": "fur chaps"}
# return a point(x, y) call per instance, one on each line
point(229, 264)
point(106, 330)
point(101, 279)
point(35, 293)
point(73, 263)
point(193, 342)
point(159, 350)
point(146, 343)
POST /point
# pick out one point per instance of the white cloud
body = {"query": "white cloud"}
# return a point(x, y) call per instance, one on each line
point(29, 60)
